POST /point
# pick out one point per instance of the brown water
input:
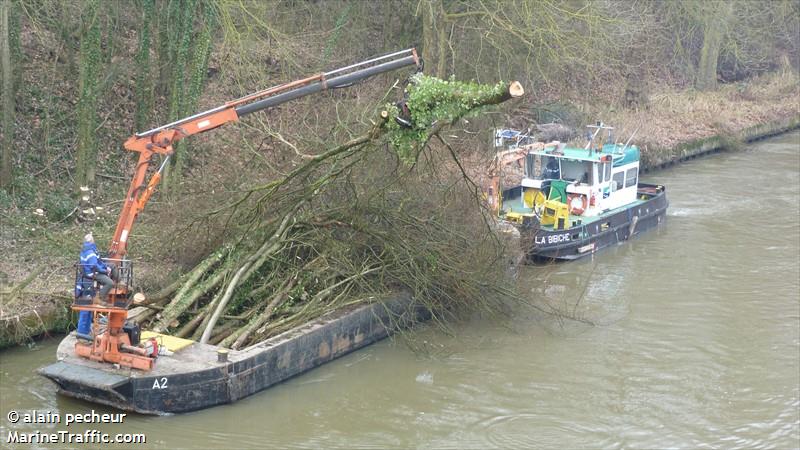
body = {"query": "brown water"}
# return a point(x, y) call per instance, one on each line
point(694, 342)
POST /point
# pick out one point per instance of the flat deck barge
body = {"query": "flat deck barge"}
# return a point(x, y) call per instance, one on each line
point(193, 377)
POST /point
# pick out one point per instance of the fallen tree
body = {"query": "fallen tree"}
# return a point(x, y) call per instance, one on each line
point(348, 226)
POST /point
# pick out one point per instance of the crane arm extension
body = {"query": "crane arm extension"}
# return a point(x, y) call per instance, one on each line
point(326, 82)
point(160, 140)
point(135, 201)
point(231, 111)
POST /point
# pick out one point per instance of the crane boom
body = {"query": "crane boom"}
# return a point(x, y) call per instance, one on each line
point(160, 140)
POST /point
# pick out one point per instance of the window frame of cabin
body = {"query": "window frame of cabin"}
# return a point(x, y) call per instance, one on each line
point(628, 177)
point(617, 185)
point(569, 168)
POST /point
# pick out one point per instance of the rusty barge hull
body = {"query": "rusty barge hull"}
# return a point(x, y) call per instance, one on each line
point(193, 378)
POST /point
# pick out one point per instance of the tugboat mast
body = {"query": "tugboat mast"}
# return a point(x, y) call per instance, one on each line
point(600, 126)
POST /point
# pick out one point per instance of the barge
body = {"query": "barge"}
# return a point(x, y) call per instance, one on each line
point(108, 360)
point(575, 201)
point(197, 376)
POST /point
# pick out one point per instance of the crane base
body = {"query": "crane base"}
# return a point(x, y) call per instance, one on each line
point(112, 345)
point(107, 349)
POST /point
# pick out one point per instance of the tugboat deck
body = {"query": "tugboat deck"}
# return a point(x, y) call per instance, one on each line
point(515, 205)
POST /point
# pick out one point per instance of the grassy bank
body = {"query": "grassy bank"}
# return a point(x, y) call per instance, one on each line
point(675, 125)
point(657, 158)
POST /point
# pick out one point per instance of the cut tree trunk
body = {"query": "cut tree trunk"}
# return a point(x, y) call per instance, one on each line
point(7, 75)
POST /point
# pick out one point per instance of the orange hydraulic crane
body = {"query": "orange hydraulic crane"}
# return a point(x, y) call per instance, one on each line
point(161, 140)
point(113, 344)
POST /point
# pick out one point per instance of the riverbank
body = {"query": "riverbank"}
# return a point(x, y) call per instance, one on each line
point(659, 158)
point(677, 125)
point(22, 321)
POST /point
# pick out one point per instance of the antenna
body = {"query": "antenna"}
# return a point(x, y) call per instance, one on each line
point(600, 126)
point(629, 139)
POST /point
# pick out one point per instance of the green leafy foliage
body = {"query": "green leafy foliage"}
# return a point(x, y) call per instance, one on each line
point(431, 100)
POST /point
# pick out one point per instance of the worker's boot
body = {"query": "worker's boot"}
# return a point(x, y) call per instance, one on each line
point(100, 301)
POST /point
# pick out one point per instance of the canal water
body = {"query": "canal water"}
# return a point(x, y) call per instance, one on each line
point(688, 336)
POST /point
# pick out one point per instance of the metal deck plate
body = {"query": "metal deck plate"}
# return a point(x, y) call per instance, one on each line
point(83, 375)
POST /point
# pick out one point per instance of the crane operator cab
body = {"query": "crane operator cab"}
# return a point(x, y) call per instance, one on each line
point(90, 296)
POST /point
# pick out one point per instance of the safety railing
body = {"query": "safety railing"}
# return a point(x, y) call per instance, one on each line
point(87, 286)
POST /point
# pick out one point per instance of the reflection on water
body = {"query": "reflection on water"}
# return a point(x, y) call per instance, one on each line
point(687, 336)
point(584, 292)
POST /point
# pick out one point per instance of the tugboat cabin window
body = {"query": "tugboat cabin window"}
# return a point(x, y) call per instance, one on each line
point(630, 177)
point(617, 181)
point(580, 171)
point(540, 167)
point(606, 172)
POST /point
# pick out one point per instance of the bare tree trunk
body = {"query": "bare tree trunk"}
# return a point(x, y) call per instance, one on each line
point(90, 62)
point(434, 36)
point(144, 69)
point(707, 69)
point(8, 93)
point(194, 77)
point(715, 20)
point(177, 94)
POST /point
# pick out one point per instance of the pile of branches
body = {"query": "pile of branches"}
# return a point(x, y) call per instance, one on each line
point(382, 212)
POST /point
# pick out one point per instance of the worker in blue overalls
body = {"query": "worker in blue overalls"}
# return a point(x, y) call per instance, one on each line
point(94, 269)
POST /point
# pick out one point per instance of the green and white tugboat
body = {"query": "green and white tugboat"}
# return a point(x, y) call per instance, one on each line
point(574, 201)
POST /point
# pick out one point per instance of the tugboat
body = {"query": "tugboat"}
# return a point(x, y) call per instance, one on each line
point(575, 201)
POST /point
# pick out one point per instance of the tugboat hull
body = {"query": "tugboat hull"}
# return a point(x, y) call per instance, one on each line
point(611, 228)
